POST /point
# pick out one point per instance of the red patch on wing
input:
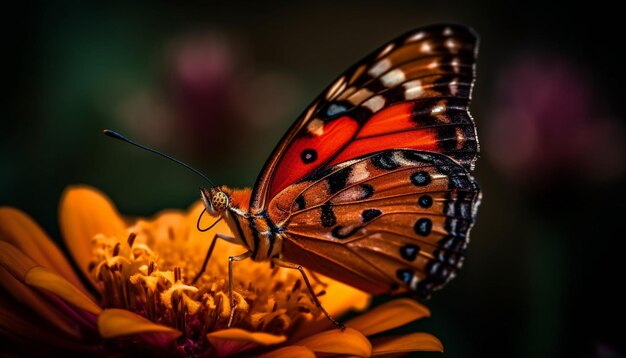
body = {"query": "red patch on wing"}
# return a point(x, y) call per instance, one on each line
point(391, 128)
point(391, 119)
point(419, 139)
point(325, 141)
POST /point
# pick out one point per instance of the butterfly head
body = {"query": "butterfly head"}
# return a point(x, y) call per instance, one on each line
point(215, 200)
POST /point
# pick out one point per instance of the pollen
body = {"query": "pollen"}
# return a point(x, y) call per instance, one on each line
point(150, 270)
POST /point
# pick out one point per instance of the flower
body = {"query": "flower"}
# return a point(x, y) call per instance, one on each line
point(139, 299)
point(549, 124)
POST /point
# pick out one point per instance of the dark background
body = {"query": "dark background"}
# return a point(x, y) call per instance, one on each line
point(217, 84)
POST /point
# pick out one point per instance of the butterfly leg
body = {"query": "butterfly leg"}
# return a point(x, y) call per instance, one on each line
point(210, 252)
point(289, 265)
point(317, 280)
point(232, 259)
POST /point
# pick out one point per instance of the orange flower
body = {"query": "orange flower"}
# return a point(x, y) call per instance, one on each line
point(138, 299)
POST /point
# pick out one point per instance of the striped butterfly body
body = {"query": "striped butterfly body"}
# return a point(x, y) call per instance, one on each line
point(371, 185)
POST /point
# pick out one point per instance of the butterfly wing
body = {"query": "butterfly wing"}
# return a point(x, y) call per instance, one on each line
point(411, 93)
point(394, 221)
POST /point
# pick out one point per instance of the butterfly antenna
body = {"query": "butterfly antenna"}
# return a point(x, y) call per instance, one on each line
point(116, 135)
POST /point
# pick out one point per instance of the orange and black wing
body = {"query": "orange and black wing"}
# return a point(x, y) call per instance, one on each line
point(390, 222)
point(411, 93)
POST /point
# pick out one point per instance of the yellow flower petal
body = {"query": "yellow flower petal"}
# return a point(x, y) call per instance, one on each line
point(116, 323)
point(14, 268)
point(289, 352)
point(43, 278)
point(14, 261)
point(28, 297)
point(232, 341)
point(388, 316)
point(24, 233)
point(83, 213)
point(334, 341)
point(341, 298)
point(28, 327)
point(236, 334)
point(414, 342)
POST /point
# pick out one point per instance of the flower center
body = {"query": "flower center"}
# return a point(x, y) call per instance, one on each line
point(149, 272)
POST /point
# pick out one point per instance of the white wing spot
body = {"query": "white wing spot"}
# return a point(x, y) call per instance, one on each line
point(380, 67)
point(447, 31)
point(351, 194)
point(438, 109)
point(416, 37)
point(337, 87)
point(375, 103)
point(452, 45)
point(316, 127)
point(432, 65)
point(360, 95)
point(426, 47)
point(413, 89)
point(454, 87)
point(455, 65)
point(460, 138)
point(400, 159)
point(414, 282)
point(393, 78)
point(346, 93)
point(386, 50)
point(359, 172)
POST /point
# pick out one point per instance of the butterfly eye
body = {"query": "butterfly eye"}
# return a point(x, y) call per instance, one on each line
point(219, 201)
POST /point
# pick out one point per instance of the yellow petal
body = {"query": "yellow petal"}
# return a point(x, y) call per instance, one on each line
point(14, 261)
point(41, 277)
point(388, 316)
point(414, 342)
point(236, 334)
point(33, 301)
point(334, 341)
point(289, 352)
point(340, 298)
point(83, 213)
point(22, 231)
point(27, 326)
point(233, 341)
point(116, 323)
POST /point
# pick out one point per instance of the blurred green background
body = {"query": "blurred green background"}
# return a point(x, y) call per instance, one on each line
point(217, 83)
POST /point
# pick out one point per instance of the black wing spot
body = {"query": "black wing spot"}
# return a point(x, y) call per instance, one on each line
point(409, 252)
point(366, 191)
point(420, 178)
point(405, 275)
point(370, 214)
point(385, 161)
point(338, 180)
point(425, 201)
point(423, 226)
point(328, 216)
point(343, 232)
point(300, 202)
point(308, 156)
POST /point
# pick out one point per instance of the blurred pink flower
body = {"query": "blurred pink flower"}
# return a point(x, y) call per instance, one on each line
point(547, 123)
point(215, 96)
point(203, 78)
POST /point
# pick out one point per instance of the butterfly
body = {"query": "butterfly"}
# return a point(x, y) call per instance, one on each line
point(371, 185)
